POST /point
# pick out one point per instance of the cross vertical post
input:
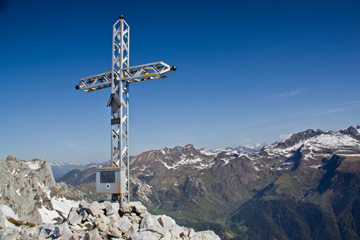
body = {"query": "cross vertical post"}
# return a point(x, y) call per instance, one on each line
point(120, 114)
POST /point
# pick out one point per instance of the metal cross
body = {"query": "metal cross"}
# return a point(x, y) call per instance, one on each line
point(116, 179)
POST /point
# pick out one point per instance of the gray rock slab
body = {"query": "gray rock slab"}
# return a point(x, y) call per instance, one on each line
point(205, 235)
point(105, 219)
point(134, 219)
point(13, 236)
point(175, 234)
point(92, 235)
point(73, 217)
point(84, 215)
point(114, 232)
point(145, 235)
point(84, 204)
point(169, 224)
point(136, 207)
point(63, 231)
point(43, 234)
point(166, 222)
point(111, 209)
point(94, 208)
point(191, 232)
point(168, 238)
point(123, 224)
point(150, 223)
point(31, 232)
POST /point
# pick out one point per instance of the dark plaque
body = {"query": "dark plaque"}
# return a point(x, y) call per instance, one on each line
point(107, 177)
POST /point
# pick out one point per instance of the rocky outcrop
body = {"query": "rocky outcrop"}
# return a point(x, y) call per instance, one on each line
point(29, 189)
point(96, 221)
point(23, 186)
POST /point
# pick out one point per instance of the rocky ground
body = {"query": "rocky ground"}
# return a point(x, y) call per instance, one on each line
point(106, 220)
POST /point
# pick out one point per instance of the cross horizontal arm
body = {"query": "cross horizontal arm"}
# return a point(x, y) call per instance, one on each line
point(140, 73)
point(95, 82)
point(145, 72)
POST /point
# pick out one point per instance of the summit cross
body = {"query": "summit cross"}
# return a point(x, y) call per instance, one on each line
point(116, 178)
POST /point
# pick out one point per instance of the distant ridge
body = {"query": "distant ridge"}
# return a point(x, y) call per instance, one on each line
point(319, 169)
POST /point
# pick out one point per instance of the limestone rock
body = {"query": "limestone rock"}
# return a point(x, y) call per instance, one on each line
point(63, 231)
point(145, 235)
point(29, 188)
point(112, 208)
point(123, 224)
point(94, 208)
point(74, 218)
point(208, 235)
point(169, 224)
point(93, 235)
point(150, 223)
point(95, 221)
point(114, 232)
point(191, 232)
point(134, 207)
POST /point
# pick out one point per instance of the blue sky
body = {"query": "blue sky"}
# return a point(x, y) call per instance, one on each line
point(248, 72)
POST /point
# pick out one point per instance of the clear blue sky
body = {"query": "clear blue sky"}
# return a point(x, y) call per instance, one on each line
point(248, 71)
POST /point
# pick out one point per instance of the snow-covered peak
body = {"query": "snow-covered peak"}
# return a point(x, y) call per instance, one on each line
point(241, 149)
point(253, 145)
point(336, 142)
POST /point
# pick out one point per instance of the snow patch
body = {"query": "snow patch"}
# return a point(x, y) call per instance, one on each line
point(226, 161)
point(207, 152)
point(34, 164)
point(349, 155)
point(315, 166)
point(47, 216)
point(6, 211)
point(332, 140)
point(63, 205)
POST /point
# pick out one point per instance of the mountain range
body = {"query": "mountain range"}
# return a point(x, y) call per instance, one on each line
point(306, 187)
point(60, 169)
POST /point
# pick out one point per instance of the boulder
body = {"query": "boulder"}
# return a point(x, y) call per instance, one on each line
point(92, 235)
point(94, 208)
point(175, 234)
point(13, 236)
point(84, 204)
point(145, 235)
point(191, 232)
point(114, 232)
point(150, 223)
point(31, 232)
point(84, 215)
point(63, 231)
point(112, 208)
point(43, 234)
point(123, 224)
point(105, 219)
point(73, 217)
point(208, 235)
point(134, 218)
point(97, 221)
point(169, 238)
point(136, 207)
